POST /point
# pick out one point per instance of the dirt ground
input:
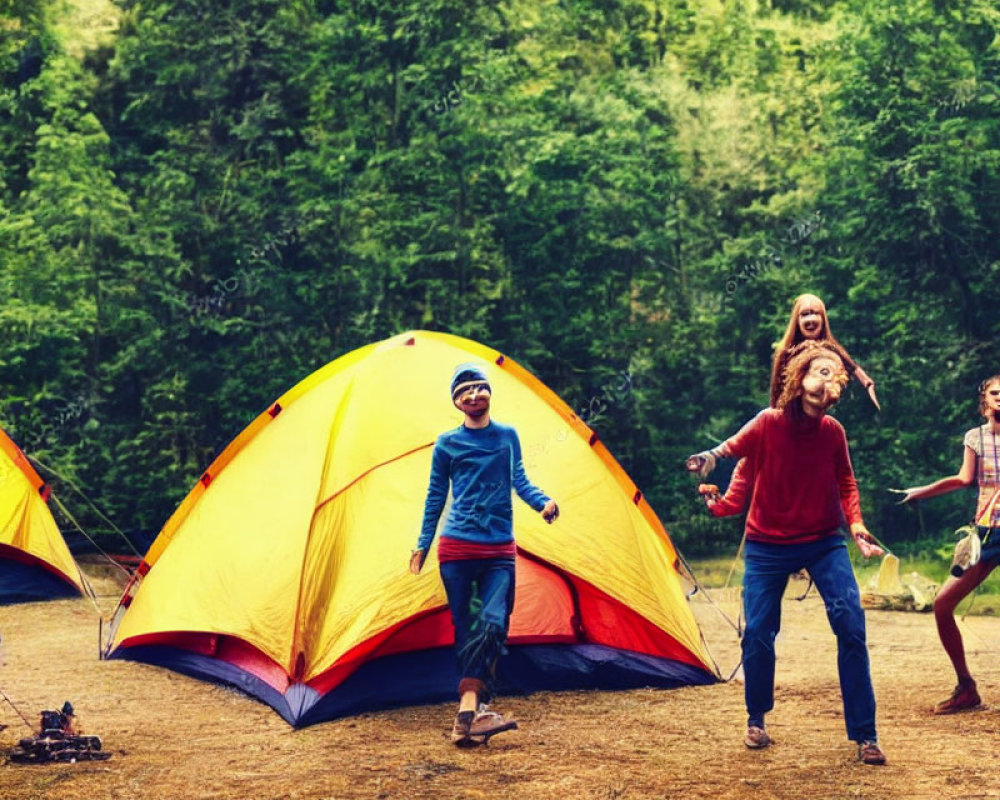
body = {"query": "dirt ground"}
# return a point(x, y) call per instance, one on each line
point(175, 737)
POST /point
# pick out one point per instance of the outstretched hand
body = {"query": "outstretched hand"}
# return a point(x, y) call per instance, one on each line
point(908, 495)
point(866, 543)
point(709, 493)
point(703, 463)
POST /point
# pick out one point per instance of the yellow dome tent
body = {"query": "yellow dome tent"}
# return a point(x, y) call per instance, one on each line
point(35, 563)
point(284, 570)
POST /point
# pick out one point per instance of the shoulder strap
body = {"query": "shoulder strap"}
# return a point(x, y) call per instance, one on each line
point(980, 454)
point(987, 516)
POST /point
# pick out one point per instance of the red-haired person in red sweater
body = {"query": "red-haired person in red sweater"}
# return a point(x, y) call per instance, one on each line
point(808, 322)
point(804, 494)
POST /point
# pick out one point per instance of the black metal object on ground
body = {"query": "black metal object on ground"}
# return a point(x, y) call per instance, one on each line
point(56, 741)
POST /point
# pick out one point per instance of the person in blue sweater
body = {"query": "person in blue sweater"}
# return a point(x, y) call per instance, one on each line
point(481, 460)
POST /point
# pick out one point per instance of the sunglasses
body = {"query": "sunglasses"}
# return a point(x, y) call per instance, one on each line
point(475, 387)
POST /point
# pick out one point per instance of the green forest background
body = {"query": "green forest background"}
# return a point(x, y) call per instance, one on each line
point(203, 202)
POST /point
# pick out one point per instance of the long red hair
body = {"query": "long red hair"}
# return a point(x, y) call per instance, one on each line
point(793, 336)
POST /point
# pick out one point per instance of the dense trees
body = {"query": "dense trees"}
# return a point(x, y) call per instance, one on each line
point(625, 196)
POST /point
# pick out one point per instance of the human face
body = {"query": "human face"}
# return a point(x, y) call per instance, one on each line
point(822, 385)
point(991, 399)
point(811, 319)
point(474, 400)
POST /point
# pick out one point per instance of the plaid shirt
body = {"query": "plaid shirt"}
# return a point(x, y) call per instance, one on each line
point(986, 445)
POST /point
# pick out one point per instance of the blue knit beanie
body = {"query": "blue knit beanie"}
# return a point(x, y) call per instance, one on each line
point(466, 374)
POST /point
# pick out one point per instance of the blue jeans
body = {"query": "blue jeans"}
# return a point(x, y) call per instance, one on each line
point(990, 538)
point(764, 579)
point(481, 596)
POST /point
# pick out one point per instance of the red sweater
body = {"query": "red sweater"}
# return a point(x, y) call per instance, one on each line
point(804, 487)
point(735, 499)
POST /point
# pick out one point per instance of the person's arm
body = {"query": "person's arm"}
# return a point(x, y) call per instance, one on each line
point(437, 496)
point(862, 377)
point(525, 489)
point(866, 383)
point(735, 499)
point(743, 443)
point(725, 506)
point(850, 500)
point(850, 365)
point(965, 477)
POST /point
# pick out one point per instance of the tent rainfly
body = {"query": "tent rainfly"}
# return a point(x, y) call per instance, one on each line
point(284, 570)
point(35, 563)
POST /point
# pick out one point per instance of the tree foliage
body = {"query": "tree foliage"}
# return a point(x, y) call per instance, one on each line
point(623, 195)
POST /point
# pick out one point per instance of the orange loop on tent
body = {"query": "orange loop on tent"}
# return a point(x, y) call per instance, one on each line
point(275, 410)
point(410, 342)
point(45, 491)
point(499, 360)
point(637, 497)
point(593, 439)
point(206, 479)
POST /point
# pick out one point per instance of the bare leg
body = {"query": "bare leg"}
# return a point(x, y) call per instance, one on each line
point(468, 701)
point(468, 694)
point(952, 593)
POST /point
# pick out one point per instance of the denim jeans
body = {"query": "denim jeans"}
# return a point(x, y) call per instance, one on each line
point(481, 596)
point(990, 538)
point(767, 567)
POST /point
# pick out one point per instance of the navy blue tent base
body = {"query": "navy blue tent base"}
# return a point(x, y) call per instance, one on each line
point(431, 676)
point(21, 583)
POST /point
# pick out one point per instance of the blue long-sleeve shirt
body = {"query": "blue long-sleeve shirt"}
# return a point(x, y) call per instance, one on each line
point(482, 465)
